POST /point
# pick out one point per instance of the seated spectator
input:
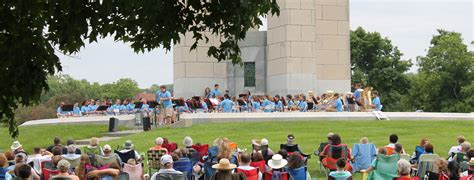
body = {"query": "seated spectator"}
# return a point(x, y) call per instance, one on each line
point(70, 141)
point(127, 147)
point(469, 174)
point(267, 153)
point(404, 168)
point(340, 173)
point(57, 151)
point(40, 155)
point(295, 161)
point(10, 157)
point(277, 165)
point(71, 152)
point(20, 158)
point(457, 148)
point(391, 146)
point(336, 142)
point(3, 165)
point(16, 147)
point(461, 155)
point(399, 149)
point(93, 148)
point(55, 160)
point(84, 167)
point(283, 153)
point(57, 142)
point(167, 168)
point(23, 172)
point(225, 152)
point(109, 153)
point(134, 170)
point(441, 173)
point(249, 171)
point(224, 171)
point(257, 161)
point(158, 145)
point(188, 150)
point(420, 149)
point(364, 153)
point(64, 167)
point(429, 149)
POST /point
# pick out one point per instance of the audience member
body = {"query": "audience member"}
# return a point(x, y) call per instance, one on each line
point(340, 173)
point(419, 150)
point(404, 169)
point(277, 163)
point(94, 148)
point(71, 141)
point(24, 172)
point(64, 167)
point(40, 155)
point(167, 162)
point(158, 145)
point(455, 149)
point(128, 146)
point(461, 155)
point(3, 165)
point(56, 142)
point(248, 170)
point(71, 152)
point(224, 171)
point(16, 147)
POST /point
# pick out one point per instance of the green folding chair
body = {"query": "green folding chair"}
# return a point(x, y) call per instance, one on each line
point(385, 167)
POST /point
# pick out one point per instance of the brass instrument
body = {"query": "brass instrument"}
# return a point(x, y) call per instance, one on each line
point(366, 99)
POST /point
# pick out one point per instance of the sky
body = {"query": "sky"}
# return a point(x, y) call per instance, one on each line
point(410, 24)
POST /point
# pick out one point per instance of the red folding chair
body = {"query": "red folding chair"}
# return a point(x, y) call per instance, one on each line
point(202, 150)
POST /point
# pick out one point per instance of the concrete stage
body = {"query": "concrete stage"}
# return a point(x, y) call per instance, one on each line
point(187, 120)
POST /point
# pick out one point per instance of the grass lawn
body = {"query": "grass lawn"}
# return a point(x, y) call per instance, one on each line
point(442, 134)
point(42, 135)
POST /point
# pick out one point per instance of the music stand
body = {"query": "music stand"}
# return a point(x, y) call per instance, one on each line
point(197, 98)
point(67, 108)
point(242, 95)
point(138, 105)
point(241, 102)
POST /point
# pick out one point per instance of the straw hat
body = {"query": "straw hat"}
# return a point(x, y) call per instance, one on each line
point(224, 164)
point(277, 162)
point(471, 162)
point(15, 145)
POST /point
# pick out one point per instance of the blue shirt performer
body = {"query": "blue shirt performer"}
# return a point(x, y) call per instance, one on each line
point(215, 92)
point(164, 97)
point(226, 104)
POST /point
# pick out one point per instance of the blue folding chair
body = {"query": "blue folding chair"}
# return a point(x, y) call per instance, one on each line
point(184, 165)
point(299, 173)
point(363, 154)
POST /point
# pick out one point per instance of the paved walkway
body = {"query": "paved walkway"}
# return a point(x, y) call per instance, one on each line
point(108, 137)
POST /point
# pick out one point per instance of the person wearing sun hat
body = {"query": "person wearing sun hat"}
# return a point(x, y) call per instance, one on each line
point(16, 147)
point(469, 173)
point(277, 165)
point(224, 171)
point(128, 146)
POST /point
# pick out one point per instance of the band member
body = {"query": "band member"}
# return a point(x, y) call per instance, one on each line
point(338, 103)
point(207, 93)
point(290, 104)
point(303, 106)
point(215, 92)
point(256, 104)
point(84, 109)
point(131, 106)
point(123, 107)
point(376, 101)
point(76, 111)
point(165, 99)
point(357, 93)
point(279, 104)
point(226, 104)
point(92, 107)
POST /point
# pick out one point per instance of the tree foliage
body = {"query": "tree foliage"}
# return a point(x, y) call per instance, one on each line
point(376, 62)
point(30, 31)
point(445, 81)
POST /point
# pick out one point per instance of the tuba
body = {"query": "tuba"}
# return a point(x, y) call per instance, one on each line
point(366, 97)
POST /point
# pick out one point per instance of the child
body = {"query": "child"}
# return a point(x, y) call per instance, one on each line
point(340, 174)
point(338, 103)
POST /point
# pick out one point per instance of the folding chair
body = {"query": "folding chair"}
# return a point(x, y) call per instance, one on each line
point(202, 150)
point(363, 154)
point(47, 173)
point(153, 157)
point(300, 173)
point(101, 160)
point(169, 146)
point(317, 152)
point(134, 171)
point(166, 176)
point(385, 167)
point(73, 161)
point(184, 165)
point(250, 174)
point(125, 156)
point(292, 148)
point(425, 164)
point(282, 175)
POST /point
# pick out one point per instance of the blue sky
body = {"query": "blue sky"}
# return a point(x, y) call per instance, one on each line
point(410, 24)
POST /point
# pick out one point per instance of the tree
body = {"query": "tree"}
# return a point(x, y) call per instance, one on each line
point(446, 75)
point(376, 62)
point(31, 32)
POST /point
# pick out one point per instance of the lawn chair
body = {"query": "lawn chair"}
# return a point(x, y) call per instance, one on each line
point(210, 160)
point(134, 171)
point(250, 174)
point(425, 164)
point(184, 165)
point(385, 167)
point(102, 161)
point(47, 173)
point(124, 157)
point(121, 176)
point(153, 157)
point(405, 156)
point(169, 146)
point(202, 150)
point(300, 173)
point(169, 176)
point(261, 165)
point(281, 175)
point(332, 178)
point(363, 154)
point(73, 161)
point(334, 153)
point(60, 178)
point(320, 161)
point(292, 148)
point(92, 151)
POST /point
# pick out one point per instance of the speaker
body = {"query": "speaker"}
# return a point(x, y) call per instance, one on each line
point(146, 124)
point(113, 124)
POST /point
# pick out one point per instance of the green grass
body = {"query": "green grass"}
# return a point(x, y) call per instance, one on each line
point(442, 134)
point(42, 135)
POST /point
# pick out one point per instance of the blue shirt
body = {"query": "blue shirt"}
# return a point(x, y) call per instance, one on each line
point(338, 105)
point(59, 110)
point(145, 107)
point(130, 106)
point(226, 105)
point(256, 105)
point(357, 94)
point(204, 105)
point(91, 107)
point(115, 106)
point(291, 103)
point(279, 105)
point(166, 103)
point(376, 102)
point(123, 107)
point(76, 111)
point(84, 109)
point(303, 106)
point(215, 93)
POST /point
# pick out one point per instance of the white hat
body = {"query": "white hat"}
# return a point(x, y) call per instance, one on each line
point(277, 162)
point(107, 148)
point(264, 142)
point(224, 164)
point(165, 159)
point(188, 142)
point(15, 145)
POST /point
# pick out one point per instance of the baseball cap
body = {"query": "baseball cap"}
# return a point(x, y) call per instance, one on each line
point(166, 159)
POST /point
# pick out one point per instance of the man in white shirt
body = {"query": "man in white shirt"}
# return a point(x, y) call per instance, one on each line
point(244, 165)
point(40, 155)
point(456, 149)
point(167, 162)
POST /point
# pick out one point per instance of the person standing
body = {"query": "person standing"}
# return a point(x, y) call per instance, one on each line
point(164, 97)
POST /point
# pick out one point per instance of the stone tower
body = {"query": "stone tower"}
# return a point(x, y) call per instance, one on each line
point(305, 48)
